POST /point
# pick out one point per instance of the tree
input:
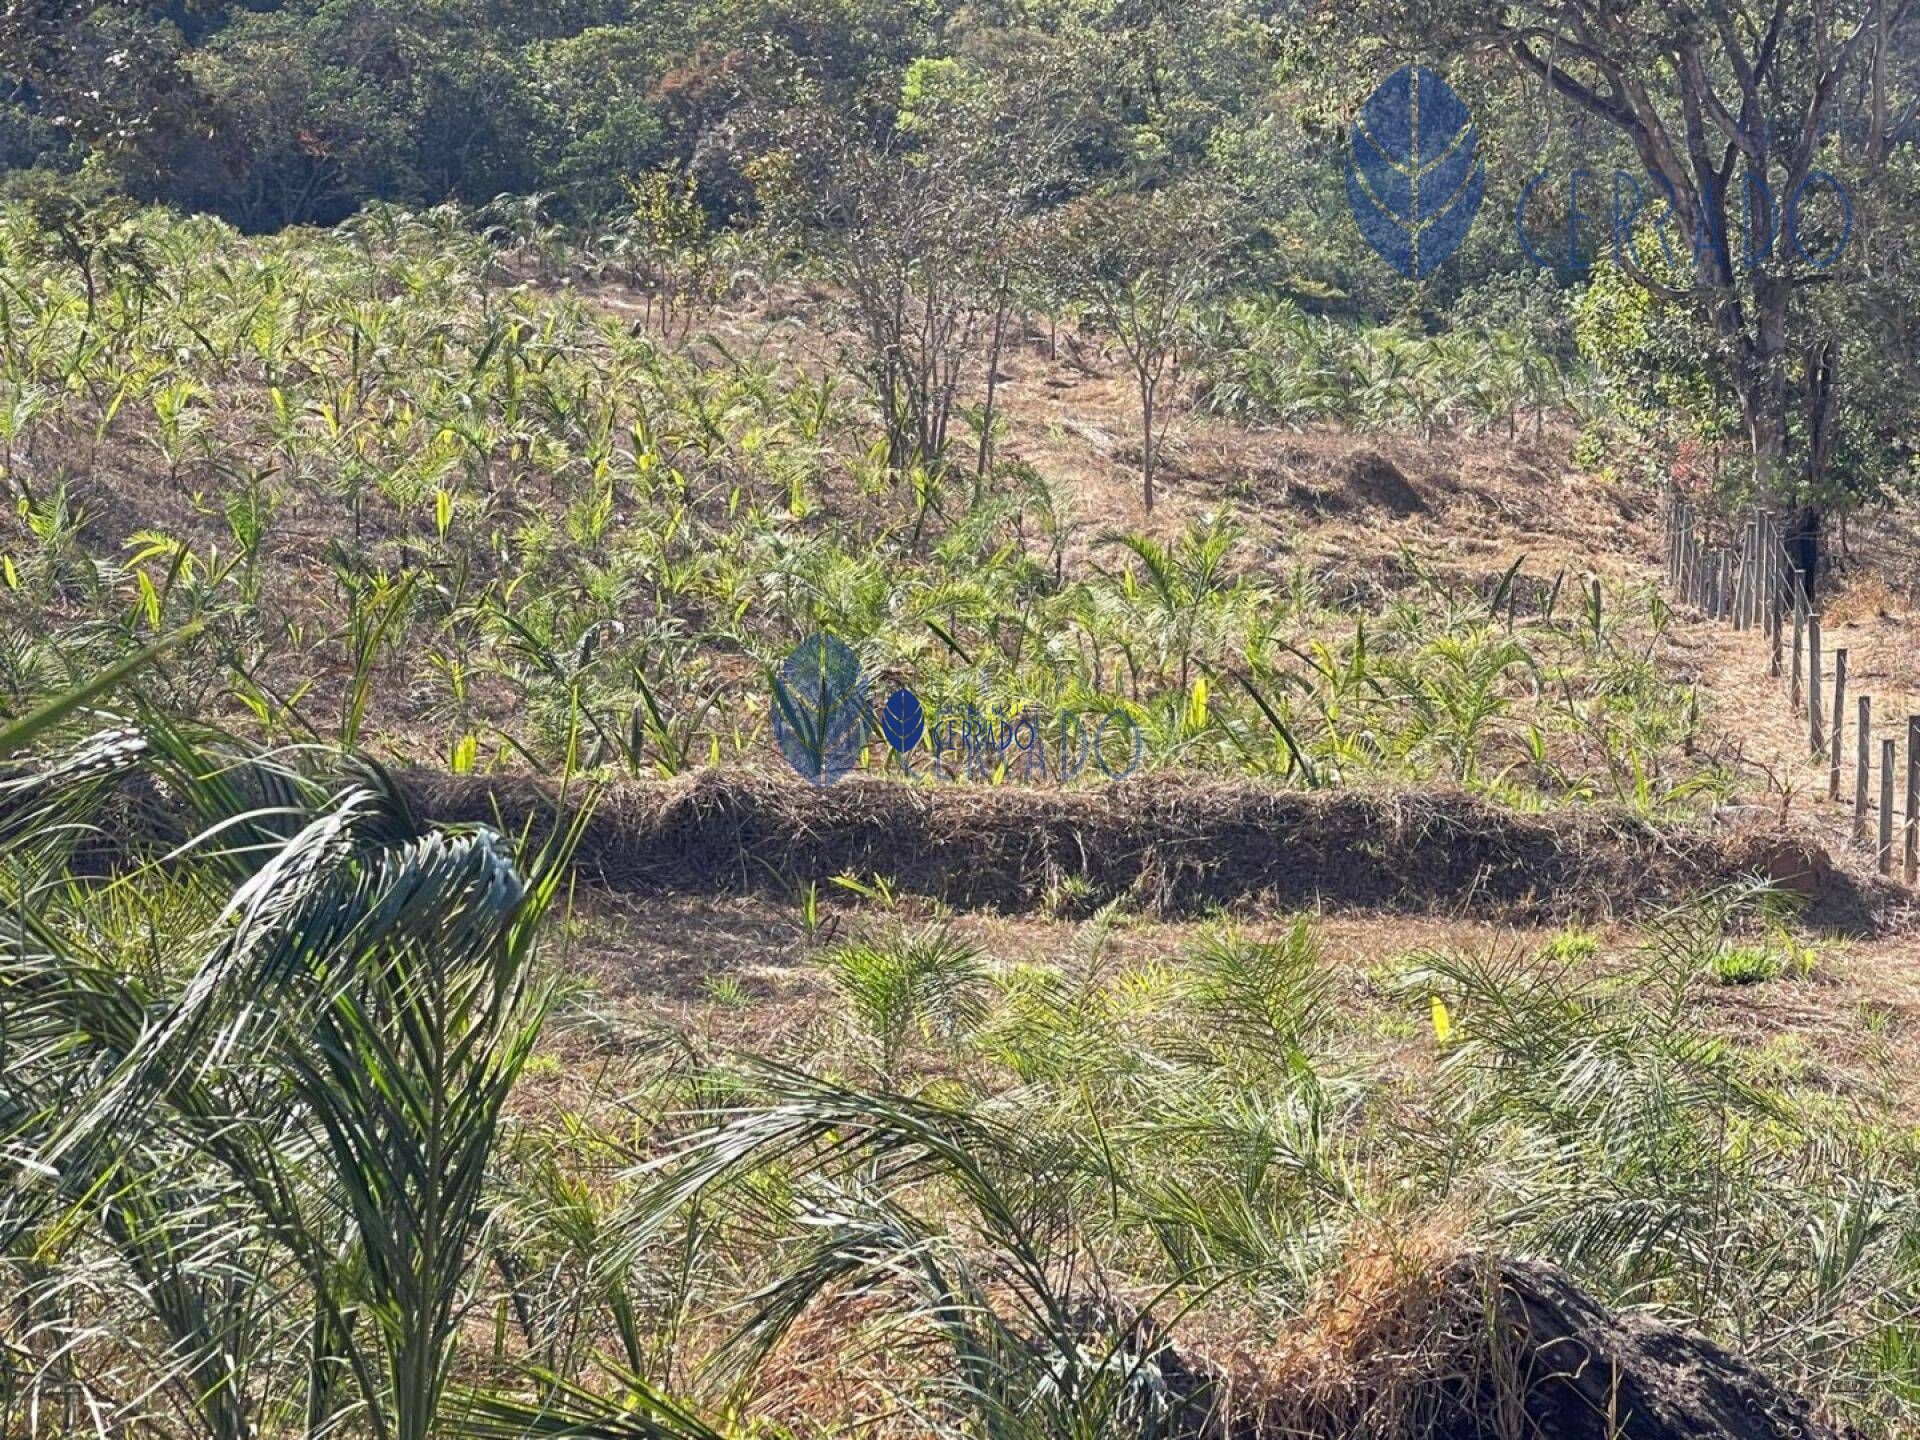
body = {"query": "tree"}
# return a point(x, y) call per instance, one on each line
point(112, 76)
point(892, 237)
point(1002, 121)
point(914, 218)
point(1139, 264)
point(604, 131)
point(82, 223)
point(1739, 115)
point(306, 123)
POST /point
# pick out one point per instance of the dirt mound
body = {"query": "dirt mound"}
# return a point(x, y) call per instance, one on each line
point(1171, 843)
point(1481, 1348)
point(1372, 481)
point(1584, 1373)
point(1342, 482)
point(1792, 863)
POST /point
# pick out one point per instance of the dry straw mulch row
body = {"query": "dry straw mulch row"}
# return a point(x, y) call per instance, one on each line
point(1172, 843)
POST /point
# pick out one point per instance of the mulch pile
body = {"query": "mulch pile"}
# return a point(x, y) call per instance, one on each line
point(1482, 1347)
point(1173, 844)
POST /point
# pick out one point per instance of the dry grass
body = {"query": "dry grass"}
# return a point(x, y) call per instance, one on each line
point(1364, 1356)
point(1849, 1029)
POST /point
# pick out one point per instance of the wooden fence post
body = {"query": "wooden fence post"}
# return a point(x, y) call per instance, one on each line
point(1776, 615)
point(1814, 717)
point(1780, 582)
point(1912, 870)
point(1749, 573)
point(1799, 649)
point(1738, 563)
point(1839, 722)
point(1887, 758)
point(1863, 738)
point(1733, 577)
point(1770, 581)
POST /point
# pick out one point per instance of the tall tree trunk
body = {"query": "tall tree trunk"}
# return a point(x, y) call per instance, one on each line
point(1765, 400)
point(1822, 364)
point(1804, 548)
point(1005, 298)
point(1147, 387)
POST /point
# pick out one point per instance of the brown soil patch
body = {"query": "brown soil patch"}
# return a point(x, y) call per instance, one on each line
point(1375, 481)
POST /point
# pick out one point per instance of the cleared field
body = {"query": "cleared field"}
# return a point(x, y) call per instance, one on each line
point(1424, 973)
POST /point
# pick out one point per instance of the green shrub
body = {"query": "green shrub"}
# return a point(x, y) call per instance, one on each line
point(1746, 964)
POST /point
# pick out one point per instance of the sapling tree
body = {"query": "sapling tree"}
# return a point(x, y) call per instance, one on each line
point(1138, 265)
point(82, 224)
point(1001, 131)
point(917, 218)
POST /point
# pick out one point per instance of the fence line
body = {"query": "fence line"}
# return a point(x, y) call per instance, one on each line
point(1749, 581)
